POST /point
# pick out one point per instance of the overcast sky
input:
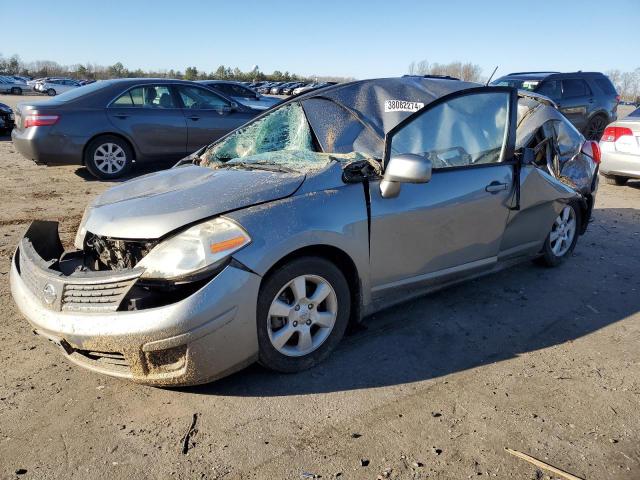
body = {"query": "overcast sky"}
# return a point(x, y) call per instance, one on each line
point(346, 38)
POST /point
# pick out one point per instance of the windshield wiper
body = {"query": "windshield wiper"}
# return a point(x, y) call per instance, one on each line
point(269, 167)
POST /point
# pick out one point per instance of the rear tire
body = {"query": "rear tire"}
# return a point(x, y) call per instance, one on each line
point(616, 180)
point(563, 236)
point(108, 157)
point(302, 313)
point(595, 128)
point(51, 92)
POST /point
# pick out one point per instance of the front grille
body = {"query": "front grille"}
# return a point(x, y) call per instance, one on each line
point(101, 297)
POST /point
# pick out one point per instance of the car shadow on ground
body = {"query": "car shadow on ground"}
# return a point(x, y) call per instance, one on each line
point(490, 319)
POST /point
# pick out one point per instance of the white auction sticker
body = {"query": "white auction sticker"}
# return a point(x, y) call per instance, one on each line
point(402, 106)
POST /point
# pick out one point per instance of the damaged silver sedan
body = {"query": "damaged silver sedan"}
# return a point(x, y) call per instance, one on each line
point(265, 245)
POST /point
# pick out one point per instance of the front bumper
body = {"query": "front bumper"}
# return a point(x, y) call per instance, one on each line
point(203, 337)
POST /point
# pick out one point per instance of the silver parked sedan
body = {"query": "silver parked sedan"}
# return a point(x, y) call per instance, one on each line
point(266, 244)
point(620, 146)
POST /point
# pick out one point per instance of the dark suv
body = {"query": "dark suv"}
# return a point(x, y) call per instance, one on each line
point(588, 99)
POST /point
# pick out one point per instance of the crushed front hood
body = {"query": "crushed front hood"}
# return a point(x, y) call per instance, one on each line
point(156, 204)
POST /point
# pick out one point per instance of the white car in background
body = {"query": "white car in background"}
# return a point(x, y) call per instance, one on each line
point(55, 86)
point(620, 147)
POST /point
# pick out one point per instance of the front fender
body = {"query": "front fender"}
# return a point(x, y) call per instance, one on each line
point(335, 217)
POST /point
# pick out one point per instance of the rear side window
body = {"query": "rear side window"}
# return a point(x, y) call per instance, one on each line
point(550, 88)
point(149, 96)
point(606, 86)
point(574, 87)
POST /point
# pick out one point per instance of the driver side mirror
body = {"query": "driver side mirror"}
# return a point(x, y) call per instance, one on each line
point(405, 168)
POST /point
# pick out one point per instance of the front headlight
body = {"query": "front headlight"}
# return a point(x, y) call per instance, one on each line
point(82, 229)
point(197, 249)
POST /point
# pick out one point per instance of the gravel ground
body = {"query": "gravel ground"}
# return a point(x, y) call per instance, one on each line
point(544, 361)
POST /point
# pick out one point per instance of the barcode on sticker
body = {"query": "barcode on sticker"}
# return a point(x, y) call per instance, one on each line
point(402, 106)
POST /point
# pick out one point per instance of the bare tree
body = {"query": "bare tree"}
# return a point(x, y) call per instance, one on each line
point(469, 72)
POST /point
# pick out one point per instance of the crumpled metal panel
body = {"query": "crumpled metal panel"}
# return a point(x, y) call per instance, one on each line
point(565, 160)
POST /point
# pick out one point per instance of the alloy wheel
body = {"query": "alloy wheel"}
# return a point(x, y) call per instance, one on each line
point(563, 232)
point(595, 128)
point(109, 158)
point(302, 315)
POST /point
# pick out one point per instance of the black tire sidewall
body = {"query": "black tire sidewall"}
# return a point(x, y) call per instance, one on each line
point(549, 258)
point(94, 144)
point(268, 355)
point(51, 94)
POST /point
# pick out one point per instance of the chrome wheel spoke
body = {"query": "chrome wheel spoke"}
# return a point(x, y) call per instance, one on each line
point(325, 319)
point(322, 291)
point(279, 309)
point(305, 341)
point(299, 288)
point(282, 336)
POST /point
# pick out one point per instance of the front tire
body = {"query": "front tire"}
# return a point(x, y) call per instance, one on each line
point(616, 180)
point(16, 91)
point(563, 236)
point(302, 313)
point(51, 92)
point(108, 157)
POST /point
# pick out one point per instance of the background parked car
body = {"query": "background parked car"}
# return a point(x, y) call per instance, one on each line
point(620, 146)
point(310, 87)
point(15, 87)
point(290, 88)
point(265, 88)
point(6, 119)
point(588, 99)
point(59, 85)
point(277, 90)
point(241, 94)
point(108, 124)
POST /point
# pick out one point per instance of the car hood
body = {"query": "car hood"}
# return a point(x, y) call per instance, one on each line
point(159, 203)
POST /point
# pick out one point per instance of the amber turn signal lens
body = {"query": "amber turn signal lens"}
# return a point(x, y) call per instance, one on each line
point(227, 244)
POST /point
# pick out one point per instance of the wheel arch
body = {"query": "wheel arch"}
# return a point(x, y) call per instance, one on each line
point(599, 113)
point(340, 259)
point(114, 134)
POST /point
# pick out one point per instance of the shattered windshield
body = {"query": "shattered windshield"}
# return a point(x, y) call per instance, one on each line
point(296, 138)
point(283, 138)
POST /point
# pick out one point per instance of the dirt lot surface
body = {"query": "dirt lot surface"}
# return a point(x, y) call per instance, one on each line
point(545, 361)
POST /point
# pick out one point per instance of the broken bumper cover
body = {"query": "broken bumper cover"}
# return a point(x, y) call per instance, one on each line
point(203, 337)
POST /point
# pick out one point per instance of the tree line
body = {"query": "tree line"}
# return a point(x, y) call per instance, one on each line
point(13, 65)
point(627, 84)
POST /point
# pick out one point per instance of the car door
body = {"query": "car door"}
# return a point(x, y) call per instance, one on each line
point(209, 116)
point(454, 223)
point(149, 116)
point(574, 103)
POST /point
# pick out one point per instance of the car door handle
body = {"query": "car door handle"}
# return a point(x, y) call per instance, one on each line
point(121, 116)
point(195, 118)
point(495, 187)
